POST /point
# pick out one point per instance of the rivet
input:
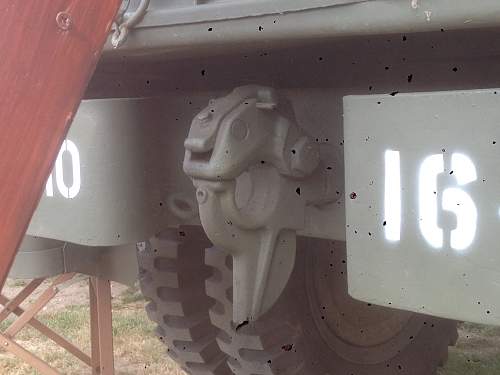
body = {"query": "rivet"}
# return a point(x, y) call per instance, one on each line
point(204, 116)
point(201, 195)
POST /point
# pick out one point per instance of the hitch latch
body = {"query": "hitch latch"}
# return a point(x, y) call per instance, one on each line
point(256, 174)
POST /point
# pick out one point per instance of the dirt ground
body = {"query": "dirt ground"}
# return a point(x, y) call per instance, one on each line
point(137, 351)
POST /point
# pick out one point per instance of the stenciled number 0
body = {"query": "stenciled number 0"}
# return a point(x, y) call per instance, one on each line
point(69, 192)
point(454, 199)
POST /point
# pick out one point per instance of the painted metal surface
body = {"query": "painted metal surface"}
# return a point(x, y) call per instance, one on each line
point(178, 12)
point(41, 258)
point(422, 202)
point(210, 27)
point(127, 22)
point(259, 179)
point(38, 258)
point(109, 188)
point(313, 77)
point(118, 178)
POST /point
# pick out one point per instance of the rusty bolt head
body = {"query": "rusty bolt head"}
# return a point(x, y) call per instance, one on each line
point(63, 20)
point(304, 157)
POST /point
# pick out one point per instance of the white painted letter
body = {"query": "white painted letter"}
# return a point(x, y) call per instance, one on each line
point(392, 199)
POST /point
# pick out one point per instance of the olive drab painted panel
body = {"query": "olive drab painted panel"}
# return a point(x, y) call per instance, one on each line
point(423, 200)
point(210, 27)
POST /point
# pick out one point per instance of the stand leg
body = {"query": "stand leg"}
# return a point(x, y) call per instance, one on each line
point(101, 327)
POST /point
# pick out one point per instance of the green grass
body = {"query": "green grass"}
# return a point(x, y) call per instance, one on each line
point(488, 331)
point(131, 295)
point(129, 322)
point(137, 350)
point(18, 283)
point(477, 352)
point(460, 363)
point(69, 322)
point(5, 324)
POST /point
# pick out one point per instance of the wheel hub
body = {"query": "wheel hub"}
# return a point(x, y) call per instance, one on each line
point(357, 331)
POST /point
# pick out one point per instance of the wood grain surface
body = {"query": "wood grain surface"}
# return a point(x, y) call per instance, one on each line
point(48, 52)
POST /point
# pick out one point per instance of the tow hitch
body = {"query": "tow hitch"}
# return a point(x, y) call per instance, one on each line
point(259, 181)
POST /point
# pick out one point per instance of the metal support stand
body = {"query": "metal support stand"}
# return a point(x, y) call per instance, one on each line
point(101, 359)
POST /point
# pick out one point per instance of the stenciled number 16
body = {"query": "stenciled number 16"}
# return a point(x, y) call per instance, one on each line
point(453, 199)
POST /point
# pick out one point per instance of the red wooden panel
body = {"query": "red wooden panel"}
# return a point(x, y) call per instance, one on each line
point(48, 51)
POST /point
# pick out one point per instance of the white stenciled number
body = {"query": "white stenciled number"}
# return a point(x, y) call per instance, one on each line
point(427, 199)
point(454, 199)
point(392, 198)
point(70, 150)
point(460, 203)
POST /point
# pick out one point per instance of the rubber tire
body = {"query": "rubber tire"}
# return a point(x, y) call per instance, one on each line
point(172, 275)
point(286, 340)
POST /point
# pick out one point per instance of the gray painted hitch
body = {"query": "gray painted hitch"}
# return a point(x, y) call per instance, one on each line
point(257, 177)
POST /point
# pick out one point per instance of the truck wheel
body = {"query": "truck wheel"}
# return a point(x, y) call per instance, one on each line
point(315, 328)
point(172, 275)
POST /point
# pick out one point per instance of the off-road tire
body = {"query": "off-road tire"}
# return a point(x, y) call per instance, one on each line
point(287, 341)
point(172, 275)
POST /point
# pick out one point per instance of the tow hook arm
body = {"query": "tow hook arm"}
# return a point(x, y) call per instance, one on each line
point(257, 176)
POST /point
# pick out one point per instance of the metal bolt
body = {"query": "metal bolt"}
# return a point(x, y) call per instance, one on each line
point(141, 246)
point(304, 156)
point(63, 20)
point(266, 99)
point(204, 116)
point(201, 195)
